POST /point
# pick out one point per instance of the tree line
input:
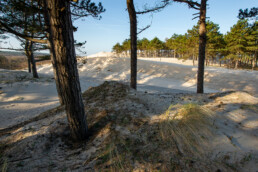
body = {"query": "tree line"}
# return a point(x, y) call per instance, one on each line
point(237, 47)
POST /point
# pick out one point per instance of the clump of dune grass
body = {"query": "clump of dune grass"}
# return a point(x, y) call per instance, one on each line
point(114, 159)
point(188, 126)
point(3, 60)
point(4, 166)
point(13, 62)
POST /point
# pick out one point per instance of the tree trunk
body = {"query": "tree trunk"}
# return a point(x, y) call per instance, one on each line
point(202, 46)
point(32, 60)
point(52, 53)
point(253, 63)
point(27, 55)
point(61, 36)
point(133, 36)
point(236, 64)
point(29, 65)
point(193, 59)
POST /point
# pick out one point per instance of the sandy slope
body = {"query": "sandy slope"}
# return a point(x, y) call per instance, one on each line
point(24, 97)
point(172, 75)
point(134, 131)
point(40, 145)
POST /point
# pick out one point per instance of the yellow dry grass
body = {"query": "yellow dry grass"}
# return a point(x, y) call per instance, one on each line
point(18, 62)
point(188, 126)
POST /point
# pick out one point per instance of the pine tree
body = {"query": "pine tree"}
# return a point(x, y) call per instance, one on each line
point(192, 43)
point(117, 48)
point(133, 38)
point(201, 7)
point(237, 42)
point(25, 21)
point(172, 44)
point(215, 41)
point(126, 45)
point(252, 43)
point(156, 45)
point(145, 44)
point(59, 28)
point(246, 13)
point(133, 35)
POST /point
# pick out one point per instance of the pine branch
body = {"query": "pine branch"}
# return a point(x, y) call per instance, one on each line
point(43, 41)
point(190, 3)
point(156, 8)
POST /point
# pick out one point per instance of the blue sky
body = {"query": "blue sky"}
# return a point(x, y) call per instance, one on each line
point(102, 34)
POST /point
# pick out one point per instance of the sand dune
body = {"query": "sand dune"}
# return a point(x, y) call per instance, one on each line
point(27, 96)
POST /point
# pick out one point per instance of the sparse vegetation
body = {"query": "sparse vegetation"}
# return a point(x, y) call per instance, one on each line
point(254, 108)
point(4, 165)
point(17, 62)
point(3, 60)
point(13, 62)
point(42, 58)
point(126, 135)
point(188, 125)
point(103, 91)
point(3, 159)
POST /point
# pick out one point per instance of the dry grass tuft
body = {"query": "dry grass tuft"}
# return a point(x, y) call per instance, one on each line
point(108, 91)
point(20, 62)
point(13, 62)
point(188, 126)
point(3, 160)
point(177, 141)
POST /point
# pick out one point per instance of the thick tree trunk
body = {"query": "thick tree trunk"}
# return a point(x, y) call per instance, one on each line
point(52, 53)
point(202, 47)
point(62, 46)
point(133, 36)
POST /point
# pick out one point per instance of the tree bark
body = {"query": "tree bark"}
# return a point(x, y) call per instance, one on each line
point(202, 47)
point(61, 35)
point(52, 53)
point(32, 60)
point(29, 65)
point(193, 59)
point(236, 64)
point(27, 55)
point(133, 36)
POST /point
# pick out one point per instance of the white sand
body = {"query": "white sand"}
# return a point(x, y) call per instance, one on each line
point(102, 54)
point(24, 97)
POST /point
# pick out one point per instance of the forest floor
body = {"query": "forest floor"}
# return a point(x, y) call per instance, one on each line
point(154, 128)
